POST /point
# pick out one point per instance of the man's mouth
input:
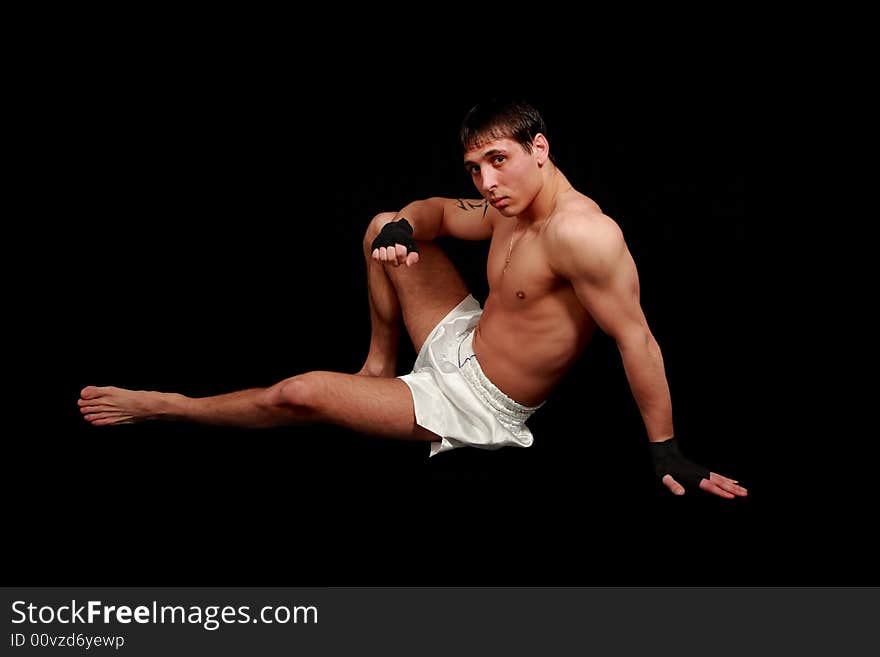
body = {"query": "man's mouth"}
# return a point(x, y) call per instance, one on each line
point(499, 202)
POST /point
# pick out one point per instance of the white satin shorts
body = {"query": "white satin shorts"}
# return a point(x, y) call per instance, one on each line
point(454, 398)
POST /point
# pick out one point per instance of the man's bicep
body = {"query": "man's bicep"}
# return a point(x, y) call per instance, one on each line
point(468, 219)
point(605, 280)
point(613, 303)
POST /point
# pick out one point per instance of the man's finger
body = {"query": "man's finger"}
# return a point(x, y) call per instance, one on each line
point(387, 255)
point(714, 475)
point(376, 253)
point(401, 253)
point(730, 485)
point(715, 489)
point(736, 489)
point(412, 259)
point(393, 255)
point(673, 485)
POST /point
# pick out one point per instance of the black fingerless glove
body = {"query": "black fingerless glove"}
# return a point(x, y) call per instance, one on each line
point(669, 460)
point(396, 232)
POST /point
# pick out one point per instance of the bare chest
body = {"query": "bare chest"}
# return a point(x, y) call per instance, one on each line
point(517, 269)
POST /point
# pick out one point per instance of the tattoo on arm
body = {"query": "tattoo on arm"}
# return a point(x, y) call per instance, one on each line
point(467, 205)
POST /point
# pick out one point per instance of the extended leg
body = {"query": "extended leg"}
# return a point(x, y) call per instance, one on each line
point(372, 405)
point(422, 295)
point(108, 405)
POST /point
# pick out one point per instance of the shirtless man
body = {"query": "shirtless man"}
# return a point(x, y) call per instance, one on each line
point(558, 269)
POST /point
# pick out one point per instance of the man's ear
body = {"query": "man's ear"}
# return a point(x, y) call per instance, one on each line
point(541, 149)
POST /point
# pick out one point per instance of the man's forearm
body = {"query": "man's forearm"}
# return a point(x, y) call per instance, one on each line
point(425, 216)
point(643, 363)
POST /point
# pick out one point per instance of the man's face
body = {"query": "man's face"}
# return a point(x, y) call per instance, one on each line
point(505, 175)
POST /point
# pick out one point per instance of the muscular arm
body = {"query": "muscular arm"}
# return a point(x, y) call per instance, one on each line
point(592, 254)
point(430, 218)
point(465, 219)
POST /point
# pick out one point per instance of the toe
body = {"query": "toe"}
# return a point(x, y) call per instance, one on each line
point(103, 415)
point(90, 392)
point(95, 409)
point(113, 419)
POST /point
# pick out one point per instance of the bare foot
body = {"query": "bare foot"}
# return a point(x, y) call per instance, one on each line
point(103, 406)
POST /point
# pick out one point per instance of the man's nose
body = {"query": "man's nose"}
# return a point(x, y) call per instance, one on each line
point(488, 182)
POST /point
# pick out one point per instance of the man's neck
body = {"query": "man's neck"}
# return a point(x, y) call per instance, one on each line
point(545, 202)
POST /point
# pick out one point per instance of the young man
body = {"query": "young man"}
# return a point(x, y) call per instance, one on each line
point(558, 269)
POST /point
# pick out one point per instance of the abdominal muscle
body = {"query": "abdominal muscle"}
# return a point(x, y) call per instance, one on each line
point(525, 351)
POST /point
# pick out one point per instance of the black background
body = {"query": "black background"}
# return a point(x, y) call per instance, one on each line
point(198, 223)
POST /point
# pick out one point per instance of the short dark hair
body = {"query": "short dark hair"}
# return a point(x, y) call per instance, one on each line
point(516, 119)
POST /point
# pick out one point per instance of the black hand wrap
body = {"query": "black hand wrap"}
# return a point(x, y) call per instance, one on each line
point(396, 232)
point(669, 460)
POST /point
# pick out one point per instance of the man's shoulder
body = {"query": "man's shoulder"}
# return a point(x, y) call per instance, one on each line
point(583, 241)
point(581, 223)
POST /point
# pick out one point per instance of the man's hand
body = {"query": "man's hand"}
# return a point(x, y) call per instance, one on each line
point(669, 464)
point(394, 245)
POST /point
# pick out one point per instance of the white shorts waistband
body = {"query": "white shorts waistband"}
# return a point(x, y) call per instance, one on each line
point(496, 398)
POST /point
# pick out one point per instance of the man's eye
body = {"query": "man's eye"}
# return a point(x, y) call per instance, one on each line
point(498, 159)
point(475, 170)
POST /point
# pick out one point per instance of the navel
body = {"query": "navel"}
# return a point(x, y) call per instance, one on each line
point(521, 294)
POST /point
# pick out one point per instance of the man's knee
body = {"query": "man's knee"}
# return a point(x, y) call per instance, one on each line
point(300, 391)
point(375, 226)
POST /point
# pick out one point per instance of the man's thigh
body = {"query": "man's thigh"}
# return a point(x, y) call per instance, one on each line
point(378, 406)
point(427, 290)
